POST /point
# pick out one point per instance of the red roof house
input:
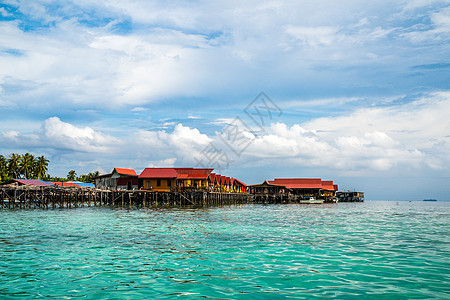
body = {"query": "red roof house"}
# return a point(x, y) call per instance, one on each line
point(118, 179)
point(167, 179)
point(298, 183)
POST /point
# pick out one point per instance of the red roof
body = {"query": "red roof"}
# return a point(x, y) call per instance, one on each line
point(212, 177)
point(335, 187)
point(179, 173)
point(159, 173)
point(240, 182)
point(34, 182)
point(298, 183)
point(328, 185)
point(123, 171)
point(266, 184)
point(198, 176)
point(194, 173)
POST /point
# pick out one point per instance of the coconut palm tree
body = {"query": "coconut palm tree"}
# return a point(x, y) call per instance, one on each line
point(26, 164)
point(3, 168)
point(13, 165)
point(71, 175)
point(41, 166)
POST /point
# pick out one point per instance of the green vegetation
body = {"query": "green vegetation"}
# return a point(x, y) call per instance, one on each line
point(88, 177)
point(71, 175)
point(28, 166)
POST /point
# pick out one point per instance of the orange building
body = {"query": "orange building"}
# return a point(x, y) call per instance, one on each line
point(174, 179)
point(182, 179)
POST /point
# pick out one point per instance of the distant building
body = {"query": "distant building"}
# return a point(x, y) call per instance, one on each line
point(175, 179)
point(266, 188)
point(305, 187)
point(118, 179)
point(308, 187)
point(183, 179)
point(329, 189)
point(238, 186)
point(349, 196)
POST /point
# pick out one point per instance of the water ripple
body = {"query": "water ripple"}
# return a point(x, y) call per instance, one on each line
point(373, 249)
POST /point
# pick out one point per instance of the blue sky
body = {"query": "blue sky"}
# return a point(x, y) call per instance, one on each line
point(363, 88)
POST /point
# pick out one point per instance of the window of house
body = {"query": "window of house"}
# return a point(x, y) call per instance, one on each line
point(148, 185)
point(169, 182)
point(158, 182)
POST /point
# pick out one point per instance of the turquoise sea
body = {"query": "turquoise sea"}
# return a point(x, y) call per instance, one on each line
point(375, 250)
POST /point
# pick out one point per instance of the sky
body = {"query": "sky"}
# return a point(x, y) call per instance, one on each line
point(352, 91)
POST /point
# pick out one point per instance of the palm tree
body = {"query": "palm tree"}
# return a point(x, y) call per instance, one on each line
point(41, 166)
point(13, 165)
point(71, 175)
point(27, 164)
point(3, 168)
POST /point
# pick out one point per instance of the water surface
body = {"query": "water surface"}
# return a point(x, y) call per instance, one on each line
point(349, 250)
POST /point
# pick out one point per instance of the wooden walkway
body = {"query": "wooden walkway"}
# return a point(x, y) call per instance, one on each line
point(51, 197)
point(69, 197)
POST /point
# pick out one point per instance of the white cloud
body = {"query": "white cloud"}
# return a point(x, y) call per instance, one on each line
point(325, 102)
point(67, 136)
point(169, 162)
point(297, 146)
point(56, 134)
point(223, 121)
point(13, 134)
point(4, 12)
point(139, 109)
point(414, 135)
point(14, 138)
point(418, 123)
point(438, 33)
point(178, 50)
point(409, 136)
point(314, 36)
point(222, 49)
point(183, 143)
point(6, 104)
point(404, 134)
point(415, 4)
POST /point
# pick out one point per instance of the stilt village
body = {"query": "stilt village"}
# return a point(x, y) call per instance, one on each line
point(155, 187)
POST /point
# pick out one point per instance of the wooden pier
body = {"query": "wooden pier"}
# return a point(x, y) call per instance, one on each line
point(53, 197)
point(70, 197)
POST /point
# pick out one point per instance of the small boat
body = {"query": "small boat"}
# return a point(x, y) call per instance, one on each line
point(311, 200)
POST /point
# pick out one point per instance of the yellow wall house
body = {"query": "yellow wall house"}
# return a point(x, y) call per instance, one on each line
point(159, 179)
point(175, 179)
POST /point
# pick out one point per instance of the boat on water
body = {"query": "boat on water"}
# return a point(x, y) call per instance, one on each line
point(311, 200)
point(431, 200)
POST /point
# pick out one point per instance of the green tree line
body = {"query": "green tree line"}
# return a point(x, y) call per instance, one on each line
point(28, 166)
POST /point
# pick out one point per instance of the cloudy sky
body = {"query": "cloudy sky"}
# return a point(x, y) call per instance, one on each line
point(356, 92)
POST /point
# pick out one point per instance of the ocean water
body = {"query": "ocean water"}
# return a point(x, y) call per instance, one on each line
point(375, 250)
